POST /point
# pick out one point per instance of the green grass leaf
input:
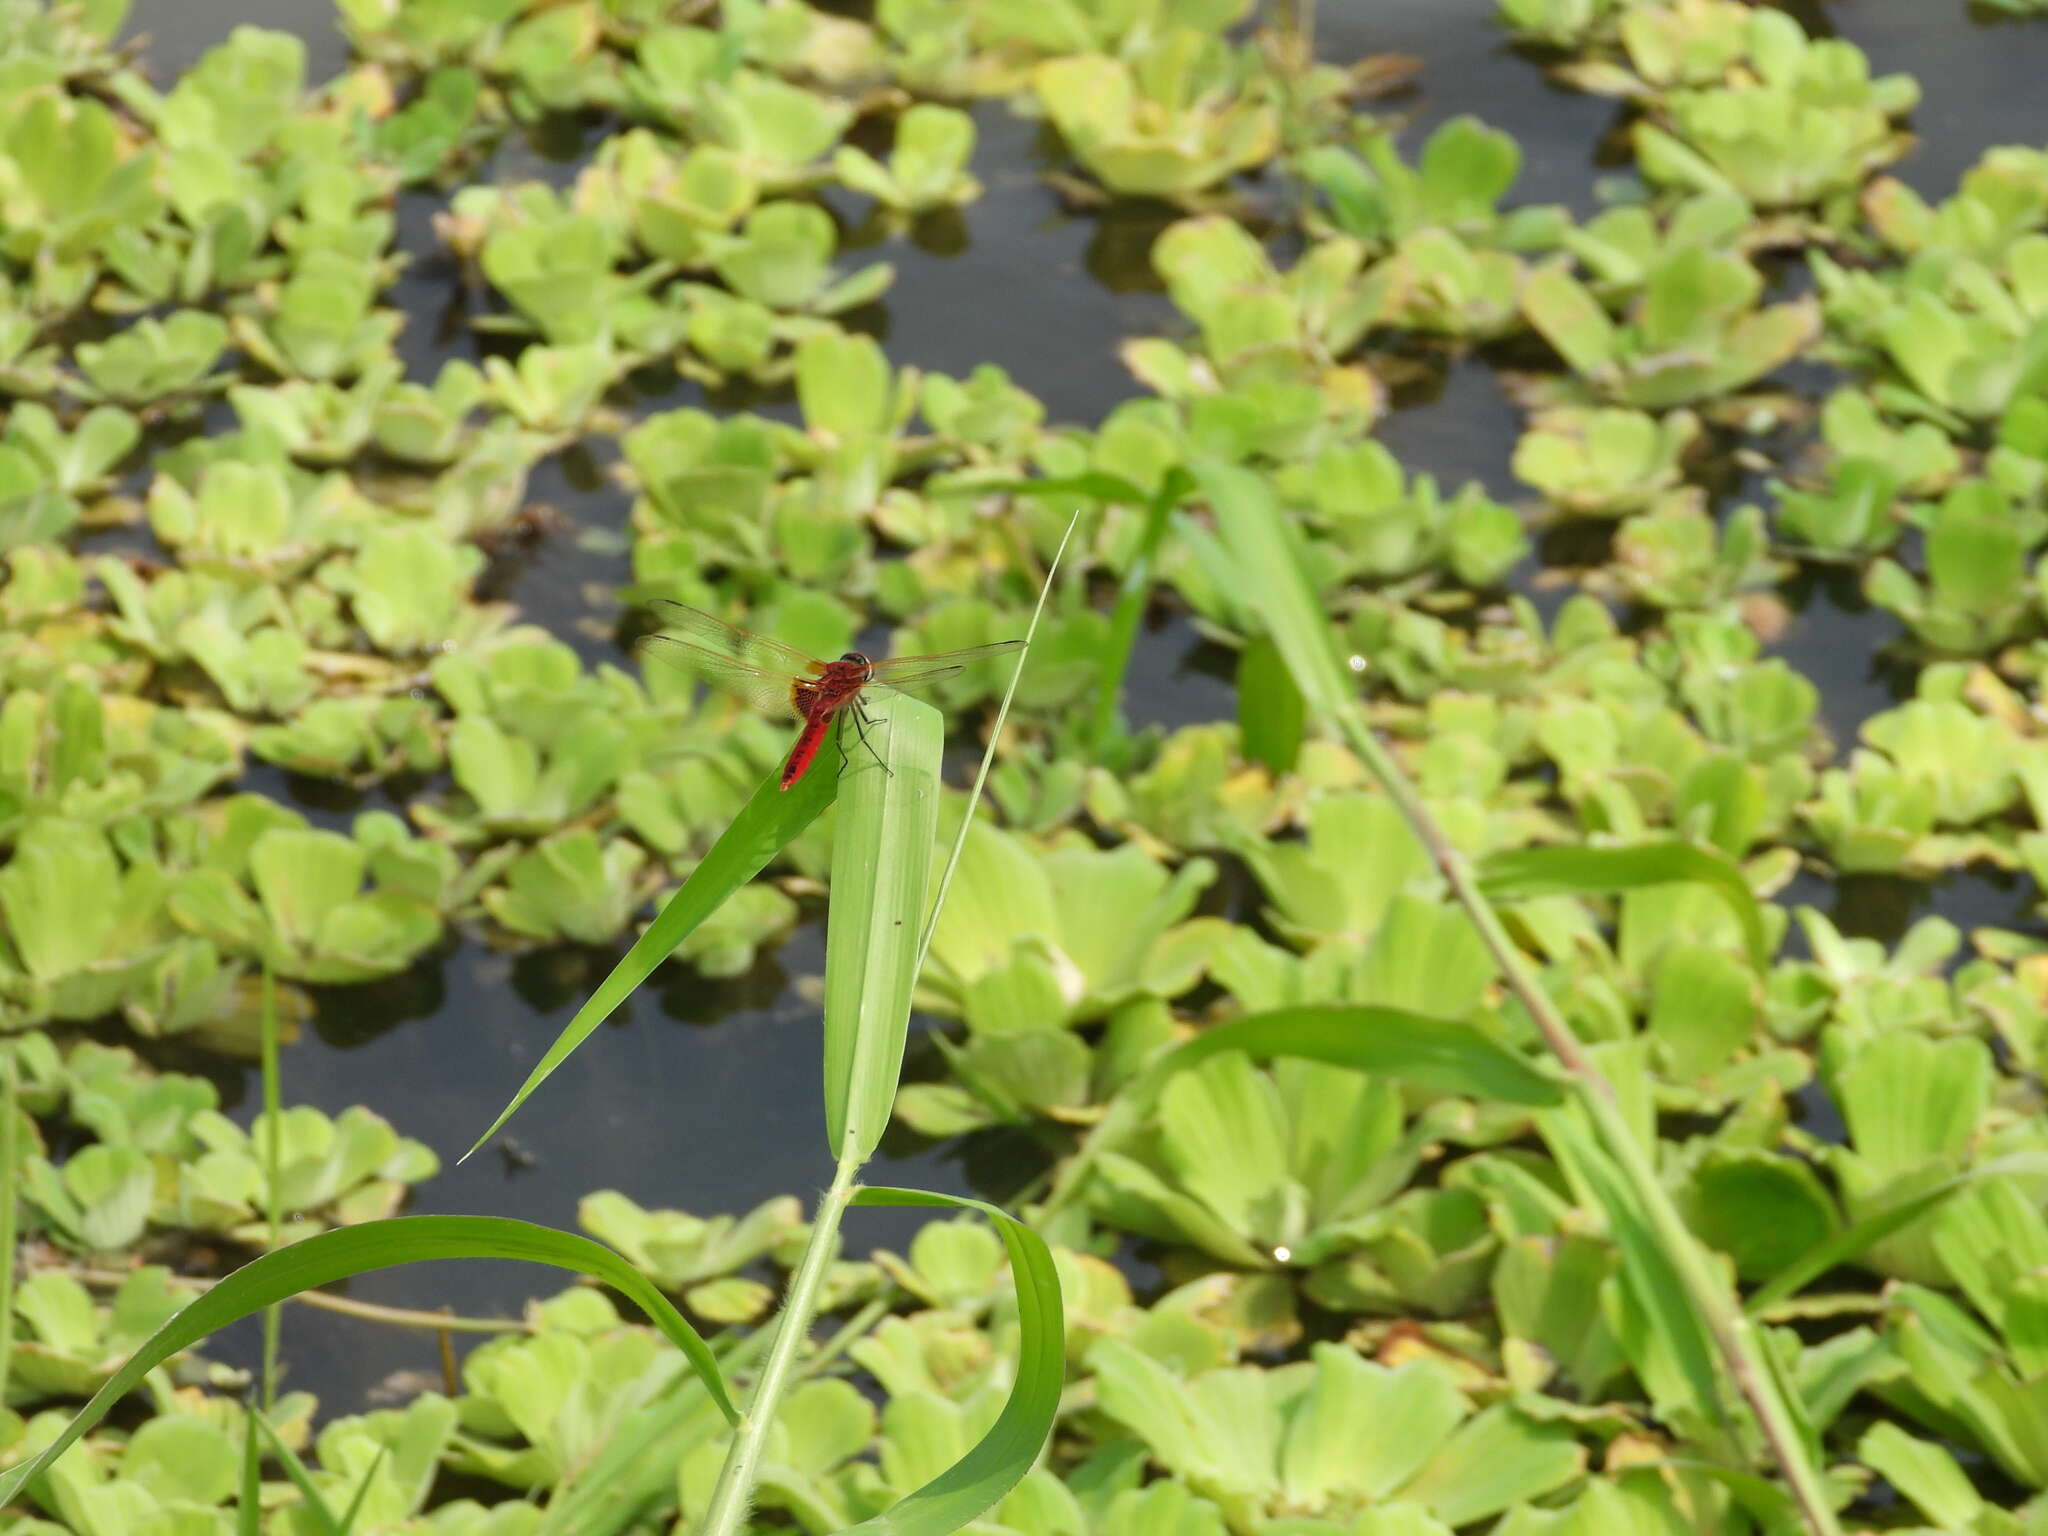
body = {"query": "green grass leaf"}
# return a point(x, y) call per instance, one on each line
point(1525, 872)
point(1442, 1054)
point(1265, 552)
point(1270, 715)
point(323, 1518)
point(881, 866)
point(1845, 1245)
point(995, 1464)
point(356, 1250)
point(766, 825)
point(1659, 1290)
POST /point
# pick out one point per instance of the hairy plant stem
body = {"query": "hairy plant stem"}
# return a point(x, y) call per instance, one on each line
point(726, 1515)
point(1732, 1331)
point(368, 1311)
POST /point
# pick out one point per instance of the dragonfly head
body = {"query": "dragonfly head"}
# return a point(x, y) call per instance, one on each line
point(855, 658)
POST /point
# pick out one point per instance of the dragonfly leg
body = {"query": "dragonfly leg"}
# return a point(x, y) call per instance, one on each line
point(861, 722)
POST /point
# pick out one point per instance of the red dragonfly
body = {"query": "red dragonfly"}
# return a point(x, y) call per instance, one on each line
point(783, 680)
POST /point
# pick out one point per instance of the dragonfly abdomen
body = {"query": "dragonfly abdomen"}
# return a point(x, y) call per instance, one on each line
point(808, 741)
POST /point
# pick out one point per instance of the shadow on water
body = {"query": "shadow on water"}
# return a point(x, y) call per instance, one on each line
point(1847, 647)
point(1972, 77)
point(1468, 67)
point(1883, 908)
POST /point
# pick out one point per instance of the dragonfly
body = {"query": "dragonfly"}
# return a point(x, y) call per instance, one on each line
point(783, 680)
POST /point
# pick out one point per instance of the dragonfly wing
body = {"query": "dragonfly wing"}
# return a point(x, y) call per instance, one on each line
point(913, 671)
point(914, 684)
point(763, 689)
point(694, 627)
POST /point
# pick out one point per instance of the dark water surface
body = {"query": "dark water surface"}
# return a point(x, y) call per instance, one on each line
point(706, 1095)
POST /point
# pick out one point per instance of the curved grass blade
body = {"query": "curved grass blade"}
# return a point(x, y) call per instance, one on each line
point(994, 1465)
point(1562, 871)
point(1442, 1054)
point(336, 1255)
point(1272, 583)
point(1846, 1244)
point(1645, 1267)
point(881, 865)
point(1262, 545)
point(764, 827)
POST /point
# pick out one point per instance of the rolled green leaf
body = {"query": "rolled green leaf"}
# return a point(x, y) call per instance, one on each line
point(881, 865)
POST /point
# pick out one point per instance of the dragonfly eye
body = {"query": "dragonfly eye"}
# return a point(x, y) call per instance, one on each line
point(856, 658)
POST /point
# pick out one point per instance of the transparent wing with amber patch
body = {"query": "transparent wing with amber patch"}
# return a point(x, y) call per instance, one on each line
point(751, 667)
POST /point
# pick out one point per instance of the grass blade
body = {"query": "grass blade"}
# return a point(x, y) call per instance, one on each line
point(993, 1466)
point(881, 866)
point(323, 1518)
point(249, 1497)
point(988, 756)
point(1565, 871)
point(1651, 1277)
point(763, 828)
point(1273, 586)
point(1442, 1054)
point(273, 1179)
point(1270, 714)
point(1263, 548)
point(331, 1256)
point(1846, 1244)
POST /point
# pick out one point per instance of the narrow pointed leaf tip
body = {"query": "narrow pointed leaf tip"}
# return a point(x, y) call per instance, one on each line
point(766, 825)
point(1569, 871)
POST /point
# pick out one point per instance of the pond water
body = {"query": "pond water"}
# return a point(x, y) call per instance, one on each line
point(705, 1095)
